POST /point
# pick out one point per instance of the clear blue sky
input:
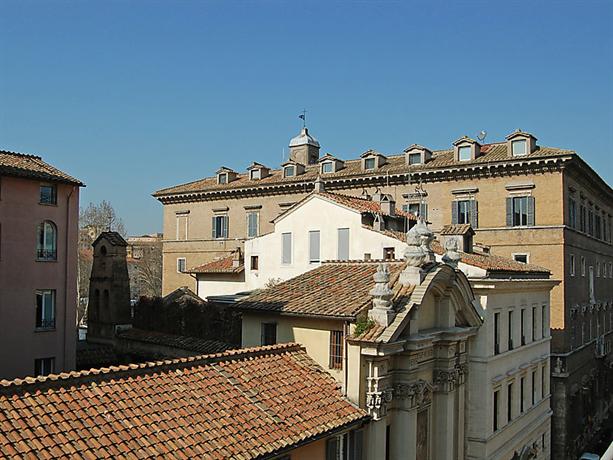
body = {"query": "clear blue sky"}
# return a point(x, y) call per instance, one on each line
point(133, 96)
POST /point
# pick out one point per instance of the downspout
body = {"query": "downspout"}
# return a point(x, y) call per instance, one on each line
point(66, 272)
point(346, 329)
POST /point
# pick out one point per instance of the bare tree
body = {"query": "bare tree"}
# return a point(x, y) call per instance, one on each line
point(149, 275)
point(102, 218)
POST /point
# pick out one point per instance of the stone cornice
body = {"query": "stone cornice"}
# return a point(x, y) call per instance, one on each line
point(455, 172)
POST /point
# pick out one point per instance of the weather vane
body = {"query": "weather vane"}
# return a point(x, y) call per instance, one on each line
point(302, 116)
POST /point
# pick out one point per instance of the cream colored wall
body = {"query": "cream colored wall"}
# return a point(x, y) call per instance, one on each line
point(312, 451)
point(313, 333)
point(220, 284)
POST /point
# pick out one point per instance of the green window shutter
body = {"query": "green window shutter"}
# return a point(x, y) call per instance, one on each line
point(454, 212)
point(530, 210)
point(473, 213)
point(509, 212)
point(226, 221)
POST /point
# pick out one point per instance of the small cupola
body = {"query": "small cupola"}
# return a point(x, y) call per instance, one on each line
point(292, 168)
point(258, 171)
point(372, 160)
point(417, 155)
point(520, 143)
point(330, 164)
point(225, 175)
point(304, 148)
point(466, 149)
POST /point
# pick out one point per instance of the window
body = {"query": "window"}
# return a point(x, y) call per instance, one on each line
point(411, 208)
point(571, 267)
point(496, 333)
point(222, 178)
point(327, 167)
point(369, 163)
point(590, 222)
point(286, 248)
point(180, 264)
point(414, 158)
point(597, 269)
point(269, 333)
point(544, 322)
point(336, 349)
point(182, 225)
point(343, 244)
point(252, 224)
point(533, 387)
point(254, 262)
point(509, 402)
point(572, 213)
point(582, 266)
point(510, 330)
point(367, 256)
point(597, 226)
point(533, 324)
point(255, 174)
point(523, 325)
point(289, 171)
point(543, 380)
point(464, 153)
point(495, 414)
point(389, 254)
point(582, 218)
point(47, 241)
point(45, 309)
point(464, 212)
point(522, 383)
point(519, 147)
point(44, 366)
point(591, 285)
point(520, 211)
point(48, 194)
point(522, 258)
point(220, 227)
point(314, 247)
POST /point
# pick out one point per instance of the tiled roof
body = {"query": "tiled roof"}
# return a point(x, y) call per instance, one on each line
point(457, 229)
point(112, 237)
point(362, 204)
point(335, 289)
point(94, 355)
point(494, 263)
point(224, 265)
point(251, 403)
point(33, 167)
point(195, 344)
point(182, 295)
point(396, 164)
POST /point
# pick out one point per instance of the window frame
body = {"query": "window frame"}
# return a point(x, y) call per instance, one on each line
point(266, 327)
point(339, 231)
point(520, 211)
point(53, 196)
point(521, 255)
point(464, 149)
point(256, 233)
point(184, 263)
point(336, 349)
point(45, 252)
point(312, 234)
point(286, 259)
point(367, 161)
point(325, 164)
point(517, 142)
point(571, 263)
point(253, 172)
point(41, 365)
point(287, 169)
point(222, 178)
point(417, 155)
point(220, 232)
point(254, 263)
point(42, 323)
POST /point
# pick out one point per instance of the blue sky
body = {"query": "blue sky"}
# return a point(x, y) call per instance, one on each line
point(133, 96)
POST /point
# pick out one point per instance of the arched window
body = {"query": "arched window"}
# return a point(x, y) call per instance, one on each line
point(46, 247)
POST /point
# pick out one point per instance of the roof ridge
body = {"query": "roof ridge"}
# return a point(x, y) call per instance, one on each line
point(19, 154)
point(61, 379)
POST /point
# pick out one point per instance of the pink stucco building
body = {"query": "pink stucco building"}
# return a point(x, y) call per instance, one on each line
point(39, 211)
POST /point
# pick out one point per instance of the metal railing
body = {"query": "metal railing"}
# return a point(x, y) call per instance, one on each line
point(46, 254)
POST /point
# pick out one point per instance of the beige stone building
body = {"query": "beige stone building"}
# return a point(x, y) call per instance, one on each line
point(537, 204)
point(39, 211)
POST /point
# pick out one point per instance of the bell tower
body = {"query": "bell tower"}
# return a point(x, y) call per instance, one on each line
point(109, 289)
point(304, 148)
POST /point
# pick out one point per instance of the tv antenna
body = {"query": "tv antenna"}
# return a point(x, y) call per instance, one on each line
point(482, 135)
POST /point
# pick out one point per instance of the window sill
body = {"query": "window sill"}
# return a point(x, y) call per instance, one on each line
point(44, 329)
point(48, 204)
point(46, 260)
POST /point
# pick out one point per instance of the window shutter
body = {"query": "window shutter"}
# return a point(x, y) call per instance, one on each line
point(473, 213)
point(314, 246)
point(226, 221)
point(509, 212)
point(423, 210)
point(343, 244)
point(530, 210)
point(454, 212)
point(286, 242)
point(213, 229)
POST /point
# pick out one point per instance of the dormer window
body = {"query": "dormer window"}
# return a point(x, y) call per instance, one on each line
point(327, 167)
point(222, 178)
point(225, 175)
point(255, 174)
point(369, 163)
point(519, 147)
point(289, 171)
point(414, 158)
point(257, 171)
point(464, 153)
point(417, 155)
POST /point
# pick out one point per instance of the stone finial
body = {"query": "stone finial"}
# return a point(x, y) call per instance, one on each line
point(319, 185)
point(418, 254)
point(451, 256)
point(382, 311)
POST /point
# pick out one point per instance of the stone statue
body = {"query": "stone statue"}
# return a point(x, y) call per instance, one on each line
point(382, 311)
point(451, 256)
point(419, 253)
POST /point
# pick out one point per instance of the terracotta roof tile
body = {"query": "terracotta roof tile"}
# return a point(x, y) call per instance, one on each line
point(224, 265)
point(457, 229)
point(239, 404)
point(195, 344)
point(33, 167)
point(396, 164)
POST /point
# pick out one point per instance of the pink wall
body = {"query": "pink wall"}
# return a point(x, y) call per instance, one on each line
point(21, 275)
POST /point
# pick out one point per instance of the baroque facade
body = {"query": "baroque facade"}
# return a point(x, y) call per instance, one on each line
point(525, 201)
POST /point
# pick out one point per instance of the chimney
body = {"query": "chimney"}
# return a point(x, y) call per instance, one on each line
point(388, 205)
point(319, 185)
point(304, 148)
point(462, 234)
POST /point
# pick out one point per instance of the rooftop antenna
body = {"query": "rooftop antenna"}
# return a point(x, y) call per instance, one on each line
point(302, 116)
point(482, 135)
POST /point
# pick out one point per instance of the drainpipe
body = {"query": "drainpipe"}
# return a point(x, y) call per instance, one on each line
point(66, 287)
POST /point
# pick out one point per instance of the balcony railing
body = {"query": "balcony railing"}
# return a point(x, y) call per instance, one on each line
point(46, 254)
point(45, 323)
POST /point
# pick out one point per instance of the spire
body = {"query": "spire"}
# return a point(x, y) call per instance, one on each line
point(382, 311)
point(418, 254)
